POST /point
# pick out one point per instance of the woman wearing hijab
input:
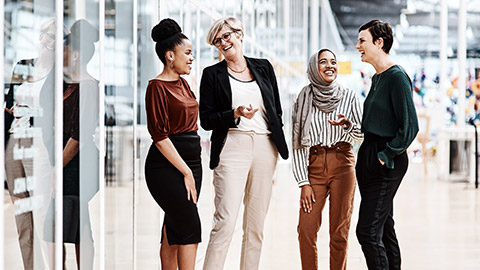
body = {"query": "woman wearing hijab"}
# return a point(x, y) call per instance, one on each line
point(323, 162)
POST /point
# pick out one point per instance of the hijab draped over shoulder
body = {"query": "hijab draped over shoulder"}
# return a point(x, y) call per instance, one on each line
point(318, 93)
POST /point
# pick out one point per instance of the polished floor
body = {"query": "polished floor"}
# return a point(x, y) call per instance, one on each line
point(437, 222)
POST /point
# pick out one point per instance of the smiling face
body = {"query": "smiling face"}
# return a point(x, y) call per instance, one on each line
point(327, 66)
point(228, 42)
point(182, 57)
point(47, 40)
point(368, 49)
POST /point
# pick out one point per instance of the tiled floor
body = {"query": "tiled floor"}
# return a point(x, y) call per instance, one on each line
point(438, 226)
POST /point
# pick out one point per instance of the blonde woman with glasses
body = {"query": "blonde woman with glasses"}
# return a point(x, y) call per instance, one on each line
point(240, 103)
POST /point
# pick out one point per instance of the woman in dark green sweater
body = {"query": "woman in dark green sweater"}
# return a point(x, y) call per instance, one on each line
point(390, 125)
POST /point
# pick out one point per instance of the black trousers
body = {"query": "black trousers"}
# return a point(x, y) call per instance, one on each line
point(378, 186)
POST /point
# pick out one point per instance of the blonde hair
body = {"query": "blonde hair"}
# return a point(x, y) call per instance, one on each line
point(51, 25)
point(231, 22)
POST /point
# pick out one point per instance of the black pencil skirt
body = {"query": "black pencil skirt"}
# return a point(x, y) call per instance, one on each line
point(167, 186)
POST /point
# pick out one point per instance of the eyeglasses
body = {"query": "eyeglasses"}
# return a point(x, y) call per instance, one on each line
point(225, 37)
point(50, 36)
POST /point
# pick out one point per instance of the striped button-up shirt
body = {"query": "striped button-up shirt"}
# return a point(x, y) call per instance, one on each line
point(323, 133)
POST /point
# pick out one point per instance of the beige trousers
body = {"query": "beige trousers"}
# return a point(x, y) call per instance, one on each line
point(28, 174)
point(15, 169)
point(247, 164)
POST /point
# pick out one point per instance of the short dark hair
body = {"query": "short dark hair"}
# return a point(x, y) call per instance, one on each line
point(379, 29)
point(168, 34)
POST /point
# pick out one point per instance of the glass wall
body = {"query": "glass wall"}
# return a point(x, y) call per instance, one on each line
point(29, 76)
point(75, 74)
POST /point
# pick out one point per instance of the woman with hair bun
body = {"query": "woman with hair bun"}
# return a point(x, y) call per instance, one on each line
point(173, 168)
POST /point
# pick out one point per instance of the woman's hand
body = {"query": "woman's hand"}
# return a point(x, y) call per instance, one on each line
point(247, 112)
point(167, 148)
point(342, 120)
point(10, 111)
point(190, 186)
point(307, 198)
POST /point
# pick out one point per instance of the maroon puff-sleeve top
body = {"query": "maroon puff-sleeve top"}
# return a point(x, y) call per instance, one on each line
point(71, 111)
point(171, 108)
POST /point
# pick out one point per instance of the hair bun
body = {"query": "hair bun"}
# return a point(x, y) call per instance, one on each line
point(165, 29)
point(83, 30)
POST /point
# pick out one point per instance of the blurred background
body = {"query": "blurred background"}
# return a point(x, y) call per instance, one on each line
point(436, 41)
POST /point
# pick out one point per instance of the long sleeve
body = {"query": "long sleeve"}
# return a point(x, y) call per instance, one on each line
point(405, 116)
point(212, 116)
point(354, 131)
point(320, 132)
point(157, 113)
point(300, 166)
point(278, 105)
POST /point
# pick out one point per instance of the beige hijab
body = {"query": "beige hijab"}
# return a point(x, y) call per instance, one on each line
point(318, 93)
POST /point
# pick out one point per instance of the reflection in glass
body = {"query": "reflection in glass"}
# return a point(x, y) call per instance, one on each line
point(80, 155)
point(28, 135)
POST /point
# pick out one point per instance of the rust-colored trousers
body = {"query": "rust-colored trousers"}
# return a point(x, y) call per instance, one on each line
point(331, 173)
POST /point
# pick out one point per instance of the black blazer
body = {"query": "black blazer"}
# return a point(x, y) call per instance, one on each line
point(216, 111)
point(22, 70)
point(18, 76)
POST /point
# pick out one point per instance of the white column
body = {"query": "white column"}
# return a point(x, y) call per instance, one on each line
point(59, 136)
point(252, 28)
point(242, 12)
point(314, 22)
point(2, 135)
point(101, 127)
point(187, 24)
point(197, 48)
point(305, 30)
point(182, 4)
point(462, 59)
point(162, 10)
point(286, 21)
point(443, 50)
point(323, 25)
point(80, 12)
point(135, 140)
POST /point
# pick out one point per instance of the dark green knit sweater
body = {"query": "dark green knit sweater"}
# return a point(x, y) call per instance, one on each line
point(388, 111)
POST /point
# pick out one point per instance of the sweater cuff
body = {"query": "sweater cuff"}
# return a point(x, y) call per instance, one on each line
point(382, 155)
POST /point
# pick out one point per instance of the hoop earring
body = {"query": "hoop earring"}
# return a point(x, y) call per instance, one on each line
point(171, 64)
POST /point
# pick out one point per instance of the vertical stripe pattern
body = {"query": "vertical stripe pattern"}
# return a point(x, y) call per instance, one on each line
point(324, 134)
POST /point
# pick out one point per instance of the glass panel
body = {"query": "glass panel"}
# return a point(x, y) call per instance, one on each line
point(119, 144)
point(149, 217)
point(81, 203)
point(29, 155)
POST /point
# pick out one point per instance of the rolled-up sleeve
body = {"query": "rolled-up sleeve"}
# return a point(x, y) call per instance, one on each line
point(157, 113)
